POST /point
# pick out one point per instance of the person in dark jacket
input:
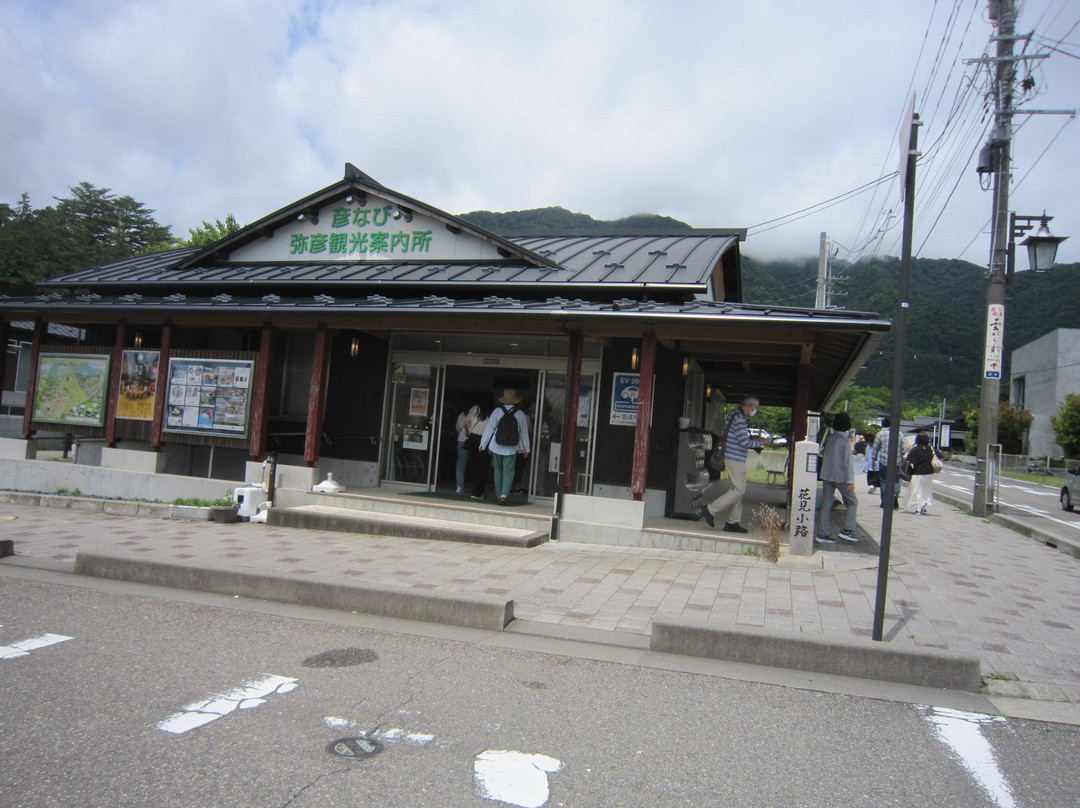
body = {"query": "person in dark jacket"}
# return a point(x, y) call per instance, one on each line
point(837, 474)
point(920, 493)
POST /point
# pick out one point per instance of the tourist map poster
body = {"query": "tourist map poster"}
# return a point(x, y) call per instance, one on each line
point(71, 388)
point(209, 396)
point(138, 385)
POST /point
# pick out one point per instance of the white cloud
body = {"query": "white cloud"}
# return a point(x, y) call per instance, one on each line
point(726, 115)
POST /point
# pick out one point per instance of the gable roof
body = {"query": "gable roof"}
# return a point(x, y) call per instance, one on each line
point(357, 234)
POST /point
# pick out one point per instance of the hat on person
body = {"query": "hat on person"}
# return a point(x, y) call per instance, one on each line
point(510, 396)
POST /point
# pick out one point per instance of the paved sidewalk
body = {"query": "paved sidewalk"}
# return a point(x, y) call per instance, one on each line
point(956, 582)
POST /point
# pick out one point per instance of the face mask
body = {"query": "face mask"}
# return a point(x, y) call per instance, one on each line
point(753, 412)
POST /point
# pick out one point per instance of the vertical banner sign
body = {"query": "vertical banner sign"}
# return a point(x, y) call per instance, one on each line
point(995, 340)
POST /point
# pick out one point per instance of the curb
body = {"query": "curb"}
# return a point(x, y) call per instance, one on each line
point(1058, 542)
point(864, 659)
point(491, 614)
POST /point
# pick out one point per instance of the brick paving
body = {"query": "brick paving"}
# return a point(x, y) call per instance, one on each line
point(956, 582)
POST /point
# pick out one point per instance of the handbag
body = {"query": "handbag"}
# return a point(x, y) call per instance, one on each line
point(716, 459)
point(905, 471)
point(936, 464)
point(717, 462)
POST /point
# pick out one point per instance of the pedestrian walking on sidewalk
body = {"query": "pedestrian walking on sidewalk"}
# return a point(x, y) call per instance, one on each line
point(736, 443)
point(920, 494)
point(881, 457)
point(504, 455)
point(837, 474)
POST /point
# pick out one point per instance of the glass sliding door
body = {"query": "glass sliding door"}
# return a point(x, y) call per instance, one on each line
point(412, 442)
point(548, 435)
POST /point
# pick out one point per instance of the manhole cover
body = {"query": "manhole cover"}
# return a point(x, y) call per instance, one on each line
point(354, 748)
point(341, 658)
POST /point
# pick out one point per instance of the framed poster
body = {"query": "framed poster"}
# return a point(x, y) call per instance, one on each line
point(418, 401)
point(209, 396)
point(138, 385)
point(71, 388)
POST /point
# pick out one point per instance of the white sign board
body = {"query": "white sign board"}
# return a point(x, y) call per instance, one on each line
point(995, 341)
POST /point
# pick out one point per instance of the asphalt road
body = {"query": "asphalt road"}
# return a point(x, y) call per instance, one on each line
point(109, 697)
point(1030, 503)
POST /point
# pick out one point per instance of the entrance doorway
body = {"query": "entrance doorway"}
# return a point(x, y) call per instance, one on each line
point(424, 408)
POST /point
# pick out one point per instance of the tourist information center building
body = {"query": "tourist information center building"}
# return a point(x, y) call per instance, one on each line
point(344, 333)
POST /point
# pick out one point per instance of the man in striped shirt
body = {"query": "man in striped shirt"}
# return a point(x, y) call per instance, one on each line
point(737, 441)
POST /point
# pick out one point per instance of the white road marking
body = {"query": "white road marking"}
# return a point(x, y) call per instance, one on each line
point(245, 697)
point(962, 733)
point(24, 647)
point(514, 777)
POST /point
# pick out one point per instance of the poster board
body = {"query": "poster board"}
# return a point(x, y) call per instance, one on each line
point(137, 392)
point(71, 388)
point(209, 396)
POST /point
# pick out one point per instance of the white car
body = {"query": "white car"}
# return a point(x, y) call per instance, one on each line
point(1070, 492)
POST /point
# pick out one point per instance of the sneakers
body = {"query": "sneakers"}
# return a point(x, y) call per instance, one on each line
point(922, 510)
point(708, 517)
point(459, 490)
point(847, 536)
point(475, 496)
point(734, 527)
point(824, 540)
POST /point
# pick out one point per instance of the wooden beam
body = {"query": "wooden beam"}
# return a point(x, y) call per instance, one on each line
point(645, 407)
point(114, 384)
point(162, 387)
point(313, 436)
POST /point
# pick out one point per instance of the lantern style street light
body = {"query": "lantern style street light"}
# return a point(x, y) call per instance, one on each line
point(1042, 246)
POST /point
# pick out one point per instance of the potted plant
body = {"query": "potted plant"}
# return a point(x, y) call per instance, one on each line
point(222, 509)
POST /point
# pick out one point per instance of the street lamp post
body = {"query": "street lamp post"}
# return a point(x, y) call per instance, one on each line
point(1042, 252)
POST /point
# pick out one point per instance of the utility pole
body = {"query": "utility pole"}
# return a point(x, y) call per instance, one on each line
point(821, 299)
point(983, 503)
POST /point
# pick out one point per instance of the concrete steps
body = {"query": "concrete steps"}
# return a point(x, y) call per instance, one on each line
point(409, 517)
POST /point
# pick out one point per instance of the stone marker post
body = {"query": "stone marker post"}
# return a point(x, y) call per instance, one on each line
point(803, 498)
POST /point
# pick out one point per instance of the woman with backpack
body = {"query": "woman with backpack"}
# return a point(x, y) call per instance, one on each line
point(504, 442)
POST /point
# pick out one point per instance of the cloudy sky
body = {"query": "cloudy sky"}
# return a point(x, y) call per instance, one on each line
point(777, 115)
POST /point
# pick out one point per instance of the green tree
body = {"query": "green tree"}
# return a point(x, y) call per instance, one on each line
point(1066, 424)
point(1013, 426)
point(91, 227)
point(209, 233)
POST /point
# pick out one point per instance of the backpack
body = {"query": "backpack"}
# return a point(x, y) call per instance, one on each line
point(506, 431)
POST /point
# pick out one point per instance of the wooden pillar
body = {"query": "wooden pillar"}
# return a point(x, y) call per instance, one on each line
point(114, 384)
point(644, 412)
point(40, 330)
point(801, 409)
point(570, 410)
point(315, 401)
point(161, 389)
point(260, 407)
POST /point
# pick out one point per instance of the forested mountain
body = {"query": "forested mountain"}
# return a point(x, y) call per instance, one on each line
point(560, 220)
point(946, 321)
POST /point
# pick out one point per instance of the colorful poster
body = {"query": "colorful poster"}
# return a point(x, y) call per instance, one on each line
point(418, 401)
point(138, 385)
point(71, 388)
point(209, 396)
